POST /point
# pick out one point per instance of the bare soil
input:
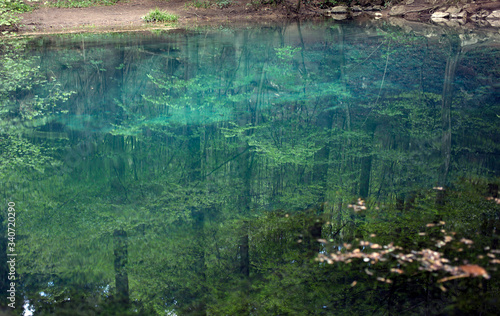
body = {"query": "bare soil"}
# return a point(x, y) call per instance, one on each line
point(127, 14)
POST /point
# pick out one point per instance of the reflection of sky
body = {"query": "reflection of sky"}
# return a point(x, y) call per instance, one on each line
point(28, 311)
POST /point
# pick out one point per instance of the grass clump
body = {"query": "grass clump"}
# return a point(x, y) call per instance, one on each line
point(160, 16)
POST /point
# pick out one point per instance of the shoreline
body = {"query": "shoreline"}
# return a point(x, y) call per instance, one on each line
point(127, 16)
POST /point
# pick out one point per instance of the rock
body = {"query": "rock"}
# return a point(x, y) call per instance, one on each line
point(483, 23)
point(397, 10)
point(365, 3)
point(340, 9)
point(356, 8)
point(476, 17)
point(453, 10)
point(439, 20)
point(480, 15)
point(495, 15)
point(408, 2)
point(460, 15)
point(439, 15)
point(452, 23)
point(374, 8)
point(494, 23)
point(339, 17)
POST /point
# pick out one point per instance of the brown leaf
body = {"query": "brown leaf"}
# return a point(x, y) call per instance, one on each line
point(474, 270)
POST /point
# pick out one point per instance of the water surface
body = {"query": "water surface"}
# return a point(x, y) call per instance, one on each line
point(292, 169)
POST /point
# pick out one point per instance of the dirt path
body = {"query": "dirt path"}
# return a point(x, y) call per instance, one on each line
point(128, 15)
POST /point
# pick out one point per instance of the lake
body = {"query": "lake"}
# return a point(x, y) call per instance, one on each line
point(347, 168)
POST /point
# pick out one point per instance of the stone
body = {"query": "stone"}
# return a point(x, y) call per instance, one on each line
point(453, 10)
point(494, 23)
point(408, 2)
point(483, 14)
point(495, 15)
point(397, 10)
point(340, 9)
point(483, 23)
point(439, 15)
point(451, 23)
point(374, 8)
point(339, 17)
point(439, 20)
point(356, 8)
point(365, 3)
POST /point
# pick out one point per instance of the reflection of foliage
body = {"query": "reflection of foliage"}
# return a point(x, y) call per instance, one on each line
point(18, 153)
point(27, 99)
point(25, 93)
point(287, 52)
point(221, 133)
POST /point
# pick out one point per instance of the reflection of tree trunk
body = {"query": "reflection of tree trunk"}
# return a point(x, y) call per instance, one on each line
point(244, 253)
point(449, 76)
point(344, 163)
point(244, 270)
point(315, 231)
point(322, 156)
point(121, 260)
point(199, 264)
point(302, 51)
point(198, 224)
point(343, 78)
point(366, 163)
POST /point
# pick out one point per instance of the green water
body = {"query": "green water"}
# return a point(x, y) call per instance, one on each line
point(192, 172)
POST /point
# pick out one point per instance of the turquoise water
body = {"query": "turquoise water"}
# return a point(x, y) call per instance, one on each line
point(291, 169)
